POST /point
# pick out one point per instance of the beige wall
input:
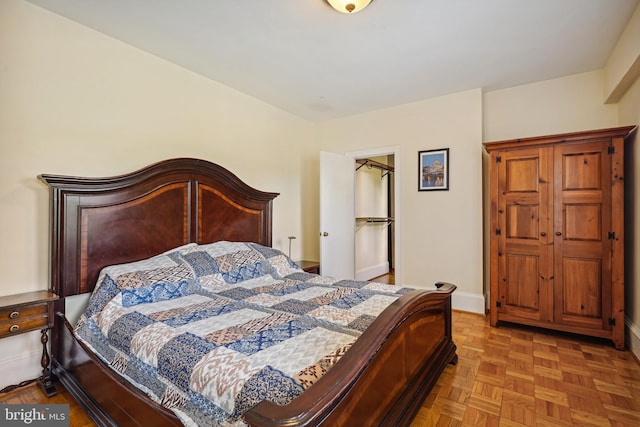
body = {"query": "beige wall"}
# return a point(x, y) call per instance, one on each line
point(568, 104)
point(622, 77)
point(630, 115)
point(622, 73)
point(623, 66)
point(441, 235)
point(76, 102)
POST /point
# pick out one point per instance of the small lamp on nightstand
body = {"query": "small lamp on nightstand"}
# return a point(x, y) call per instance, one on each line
point(290, 239)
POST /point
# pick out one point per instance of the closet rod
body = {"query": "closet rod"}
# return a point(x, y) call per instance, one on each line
point(375, 219)
point(373, 164)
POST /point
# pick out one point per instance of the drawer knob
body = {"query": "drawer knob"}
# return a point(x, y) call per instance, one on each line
point(14, 314)
point(14, 328)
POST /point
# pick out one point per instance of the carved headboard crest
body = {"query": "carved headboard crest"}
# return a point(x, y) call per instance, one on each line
point(97, 222)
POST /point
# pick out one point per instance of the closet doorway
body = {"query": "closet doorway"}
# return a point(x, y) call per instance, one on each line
point(375, 216)
point(338, 215)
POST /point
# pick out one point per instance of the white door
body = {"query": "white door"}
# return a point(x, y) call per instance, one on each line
point(337, 215)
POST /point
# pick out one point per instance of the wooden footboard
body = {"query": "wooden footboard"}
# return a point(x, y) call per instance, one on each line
point(382, 380)
point(385, 377)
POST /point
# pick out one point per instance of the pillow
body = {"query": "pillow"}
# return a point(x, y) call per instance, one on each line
point(155, 284)
point(234, 262)
point(281, 264)
point(155, 292)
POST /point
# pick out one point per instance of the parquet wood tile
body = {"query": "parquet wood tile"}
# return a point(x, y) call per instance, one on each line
point(33, 394)
point(514, 376)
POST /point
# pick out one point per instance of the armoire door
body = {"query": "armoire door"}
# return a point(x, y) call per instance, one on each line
point(525, 234)
point(582, 239)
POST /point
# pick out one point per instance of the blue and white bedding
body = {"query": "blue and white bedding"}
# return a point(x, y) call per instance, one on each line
point(211, 330)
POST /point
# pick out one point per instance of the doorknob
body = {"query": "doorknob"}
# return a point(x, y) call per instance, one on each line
point(325, 234)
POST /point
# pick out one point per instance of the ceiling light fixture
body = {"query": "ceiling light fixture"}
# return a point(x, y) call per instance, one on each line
point(348, 6)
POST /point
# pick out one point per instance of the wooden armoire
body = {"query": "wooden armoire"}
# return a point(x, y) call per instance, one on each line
point(557, 232)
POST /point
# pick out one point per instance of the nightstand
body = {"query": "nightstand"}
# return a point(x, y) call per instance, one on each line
point(27, 312)
point(309, 266)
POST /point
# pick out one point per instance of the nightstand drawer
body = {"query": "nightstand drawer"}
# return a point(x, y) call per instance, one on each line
point(23, 325)
point(16, 320)
point(18, 313)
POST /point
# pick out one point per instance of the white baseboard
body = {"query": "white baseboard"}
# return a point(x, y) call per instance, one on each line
point(462, 301)
point(373, 271)
point(632, 333)
point(20, 367)
point(465, 301)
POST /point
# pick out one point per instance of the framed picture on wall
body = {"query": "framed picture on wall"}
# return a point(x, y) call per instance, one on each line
point(433, 173)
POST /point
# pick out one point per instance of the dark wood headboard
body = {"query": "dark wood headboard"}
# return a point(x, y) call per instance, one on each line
point(97, 222)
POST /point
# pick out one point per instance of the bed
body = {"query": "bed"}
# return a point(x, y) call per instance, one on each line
point(188, 205)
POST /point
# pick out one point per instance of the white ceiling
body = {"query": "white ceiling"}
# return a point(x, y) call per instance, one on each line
point(306, 58)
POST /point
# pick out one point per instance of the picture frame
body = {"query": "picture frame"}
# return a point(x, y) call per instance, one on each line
point(433, 170)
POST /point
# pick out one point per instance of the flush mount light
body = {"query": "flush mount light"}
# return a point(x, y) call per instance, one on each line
point(348, 6)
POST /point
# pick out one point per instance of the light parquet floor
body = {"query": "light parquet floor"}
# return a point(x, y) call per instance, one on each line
point(515, 376)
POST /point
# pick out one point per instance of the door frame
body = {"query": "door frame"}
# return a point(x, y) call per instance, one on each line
point(394, 150)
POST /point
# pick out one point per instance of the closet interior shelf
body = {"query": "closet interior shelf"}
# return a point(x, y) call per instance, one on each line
point(386, 169)
point(373, 219)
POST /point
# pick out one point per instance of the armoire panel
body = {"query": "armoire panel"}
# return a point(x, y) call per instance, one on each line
point(582, 287)
point(583, 222)
point(522, 282)
point(522, 175)
point(522, 221)
point(581, 171)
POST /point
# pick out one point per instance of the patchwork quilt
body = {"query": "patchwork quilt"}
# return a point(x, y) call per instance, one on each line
point(211, 330)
